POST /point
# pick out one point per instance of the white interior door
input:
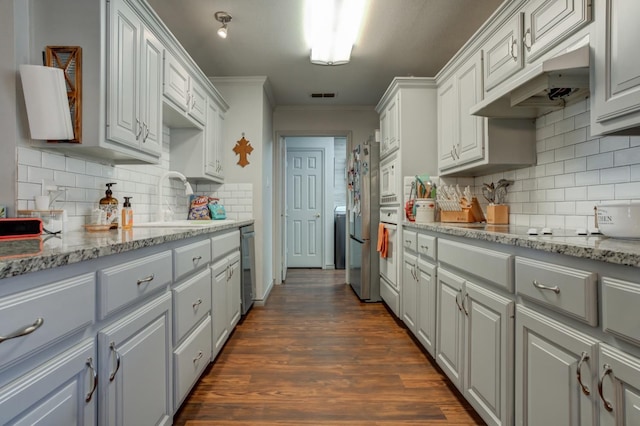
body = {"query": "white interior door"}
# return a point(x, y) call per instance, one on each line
point(304, 208)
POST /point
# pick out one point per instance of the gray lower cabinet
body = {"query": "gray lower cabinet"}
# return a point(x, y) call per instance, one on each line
point(619, 395)
point(475, 345)
point(220, 327)
point(555, 372)
point(410, 291)
point(62, 391)
point(426, 321)
point(135, 374)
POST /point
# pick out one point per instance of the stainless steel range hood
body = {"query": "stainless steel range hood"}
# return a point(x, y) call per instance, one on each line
point(547, 87)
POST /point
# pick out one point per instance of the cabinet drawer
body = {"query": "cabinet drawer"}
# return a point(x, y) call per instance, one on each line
point(129, 282)
point(53, 312)
point(410, 240)
point(494, 266)
point(224, 243)
point(427, 246)
point(191, 302)
point(190, 360)
point(619, 299)
point(190, 258)
point(569, 291)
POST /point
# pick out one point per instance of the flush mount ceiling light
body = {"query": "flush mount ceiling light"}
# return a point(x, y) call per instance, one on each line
point(332, 27)
point(225, 18)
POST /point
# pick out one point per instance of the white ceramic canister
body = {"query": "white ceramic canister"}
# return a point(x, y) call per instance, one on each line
point(425, 210)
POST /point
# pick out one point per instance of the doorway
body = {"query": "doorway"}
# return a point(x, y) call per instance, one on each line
point(306, 224)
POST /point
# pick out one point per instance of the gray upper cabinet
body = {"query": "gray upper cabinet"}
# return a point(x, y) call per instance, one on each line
point(134, 115)
point(503, 52)
point(616, 101)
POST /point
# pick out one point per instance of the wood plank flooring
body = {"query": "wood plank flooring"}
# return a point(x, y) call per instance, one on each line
point(316, 355)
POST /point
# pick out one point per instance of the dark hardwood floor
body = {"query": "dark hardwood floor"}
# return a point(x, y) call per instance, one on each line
point(316, 355)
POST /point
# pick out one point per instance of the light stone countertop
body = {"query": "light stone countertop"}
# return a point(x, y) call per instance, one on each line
point(594, 247)
point(18, 257)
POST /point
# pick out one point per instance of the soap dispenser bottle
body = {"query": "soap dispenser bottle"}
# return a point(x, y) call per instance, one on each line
point(110, 205)
point(127, 214)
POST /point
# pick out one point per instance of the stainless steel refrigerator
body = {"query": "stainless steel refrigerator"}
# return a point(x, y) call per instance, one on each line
point(364, 215)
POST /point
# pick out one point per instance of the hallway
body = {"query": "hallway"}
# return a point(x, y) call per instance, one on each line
point(315, 355)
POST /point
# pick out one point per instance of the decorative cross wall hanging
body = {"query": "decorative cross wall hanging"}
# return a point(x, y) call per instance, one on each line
point(243, 148)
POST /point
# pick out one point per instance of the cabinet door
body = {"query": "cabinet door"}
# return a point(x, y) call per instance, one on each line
point(219, 143)
point(470, 127)
point(450, 326)
point(124, 124)
point(503, 53)
point(555, 372)
point(384, 134)
point(447, 123)
point(393, 118)
point(389, 180)
point(616, 104)
point(233, 293)
point(548, 22)
point(219, 306)
point(409, 291)
point(151, 92)
point(488, 381)
point(176, 81)
point(210, 148)
point(60, 392)
point(426, 326)
point(197, 102)
point(620, 383)
point(136, 368)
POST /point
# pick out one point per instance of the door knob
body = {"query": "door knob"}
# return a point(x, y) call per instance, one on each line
point(317, 215)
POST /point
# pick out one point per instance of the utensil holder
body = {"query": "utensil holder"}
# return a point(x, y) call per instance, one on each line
point(498, 214)
point(469, 213)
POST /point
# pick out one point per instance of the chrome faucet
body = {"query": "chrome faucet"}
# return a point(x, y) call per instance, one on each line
point(166, 175)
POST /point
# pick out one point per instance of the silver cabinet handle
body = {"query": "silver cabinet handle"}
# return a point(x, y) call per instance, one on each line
point(112, 376)
point(94, 373)
point(196, 259)
point(466, 296)
point(146, 279)
point(537, 285)
point(146, 132)
point(139, 127)
point(425, 248)
point(583, 359)
point(196, 303)
point(526, 40)
point(317, 215)
point(458, 304)
point(27, 330)
point(606, 370)
point(199, 356)
point(514, 49)
point(413, 273)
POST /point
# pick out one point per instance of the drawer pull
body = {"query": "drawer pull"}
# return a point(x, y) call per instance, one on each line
point(583, 358)
point(112, 376)
point(458, 304)
point(466, 296)
point(197, 259)
point(408, 242)
point(27, 330)
point(196, 303)
point(606, 370)
point(425, 248)
point(94, 373)
point(198, 357)
point(146, 279)
point(554, 289)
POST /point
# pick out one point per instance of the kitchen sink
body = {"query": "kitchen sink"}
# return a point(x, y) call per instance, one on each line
point(183, 223)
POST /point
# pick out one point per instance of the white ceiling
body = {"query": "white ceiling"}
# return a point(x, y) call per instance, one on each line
point(266, 38)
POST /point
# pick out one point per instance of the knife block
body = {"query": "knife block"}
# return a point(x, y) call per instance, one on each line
point(470, 213)
point(498, 214)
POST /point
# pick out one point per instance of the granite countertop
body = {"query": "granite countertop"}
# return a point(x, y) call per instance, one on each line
point(19, 257)
point(594, 247)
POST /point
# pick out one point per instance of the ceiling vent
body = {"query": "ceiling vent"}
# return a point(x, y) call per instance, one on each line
point(323, 95)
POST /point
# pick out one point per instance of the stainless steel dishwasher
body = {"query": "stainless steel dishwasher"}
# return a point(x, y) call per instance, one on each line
point(248, 266)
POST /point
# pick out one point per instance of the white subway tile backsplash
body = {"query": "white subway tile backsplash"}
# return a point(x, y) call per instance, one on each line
point(565, 181)
point(546, 182)
point(566, 207)
point(588, 178)
point(582, 120)
point(529, 184)
point(575, 165)
point(601, 192)
point(53, 161)
point(538, 196)
point(554, 117)
point(575, 136)
point(29, 157)
point(615, 175)
point(75, 165)
point(564, 126)
point(614, 143)
point(555, 142)
point(629, 191)
point(626, 157)
point(575, 108)
point(546, 208)
point(553, 169)
point(37, 174)
point(545, 132)
point(64, 179)
point(565, 153)
point(600, 161)
point(555, 194)
point(555, 222)
point(576, 193)
point(587, 148)
point(634, 141)
point(635, 172)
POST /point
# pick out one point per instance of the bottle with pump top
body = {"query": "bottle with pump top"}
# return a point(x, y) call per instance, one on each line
point(110, 205)
point(127, 214)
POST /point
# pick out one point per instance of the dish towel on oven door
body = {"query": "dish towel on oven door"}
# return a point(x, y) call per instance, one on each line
point(383, 241)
